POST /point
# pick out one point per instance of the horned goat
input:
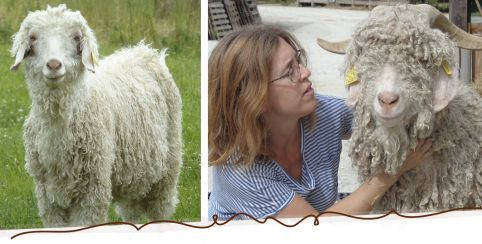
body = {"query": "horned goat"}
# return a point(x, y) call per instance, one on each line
point(92, 138)
point(403, 86)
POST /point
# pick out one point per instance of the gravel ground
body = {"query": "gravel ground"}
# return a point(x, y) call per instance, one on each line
point(307, 24)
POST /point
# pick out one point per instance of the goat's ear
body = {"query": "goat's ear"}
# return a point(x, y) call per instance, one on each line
point(444, 87)
point(352, 85)
point(353, 92)
point(89, 49)
point(20, 47)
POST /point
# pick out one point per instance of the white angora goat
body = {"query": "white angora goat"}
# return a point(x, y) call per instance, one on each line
point(408, 88)
point(97, 133)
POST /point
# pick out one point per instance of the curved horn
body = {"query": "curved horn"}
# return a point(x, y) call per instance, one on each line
point(461, 38)
point(334, 47)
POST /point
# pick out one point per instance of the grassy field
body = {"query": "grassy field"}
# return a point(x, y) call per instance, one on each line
point(172, 24)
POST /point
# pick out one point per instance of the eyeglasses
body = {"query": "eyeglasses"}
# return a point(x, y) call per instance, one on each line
point(294, 73)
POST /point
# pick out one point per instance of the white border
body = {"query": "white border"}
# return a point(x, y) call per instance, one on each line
point(453, 227)
point(204, 110)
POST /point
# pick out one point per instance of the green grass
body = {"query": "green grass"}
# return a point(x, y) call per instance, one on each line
point(124, 23)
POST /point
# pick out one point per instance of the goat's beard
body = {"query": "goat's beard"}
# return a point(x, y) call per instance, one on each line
point(376, 148)
point(393, 143)
point(53, 100)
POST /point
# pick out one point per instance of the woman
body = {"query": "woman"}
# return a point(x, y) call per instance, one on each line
point(273, 143)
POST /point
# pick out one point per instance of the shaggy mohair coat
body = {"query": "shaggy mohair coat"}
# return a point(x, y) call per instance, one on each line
point(93, 138)
point(478, 86)
point(401, 38)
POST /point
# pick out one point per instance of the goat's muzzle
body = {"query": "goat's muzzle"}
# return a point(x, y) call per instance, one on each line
point(54, 65)
point(388, 100)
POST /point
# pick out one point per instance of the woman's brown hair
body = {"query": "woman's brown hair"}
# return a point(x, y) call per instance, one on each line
point(239, 74)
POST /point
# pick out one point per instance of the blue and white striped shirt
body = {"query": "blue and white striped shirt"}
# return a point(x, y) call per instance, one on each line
point(264, 188)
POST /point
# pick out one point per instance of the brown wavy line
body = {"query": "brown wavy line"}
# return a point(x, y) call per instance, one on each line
point(215, 221)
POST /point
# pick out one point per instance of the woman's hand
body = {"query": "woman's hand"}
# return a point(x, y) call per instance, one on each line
point(422, 152)
point(366, 196)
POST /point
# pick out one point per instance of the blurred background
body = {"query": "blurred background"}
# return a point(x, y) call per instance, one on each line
point(116, 23)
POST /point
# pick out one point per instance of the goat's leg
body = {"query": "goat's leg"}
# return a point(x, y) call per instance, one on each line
point(93, 205)
point(160, 203)
point(95, 187)
point(130, 210)
point(51, 214)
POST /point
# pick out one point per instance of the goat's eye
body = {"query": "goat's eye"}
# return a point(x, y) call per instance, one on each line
point(77, 38)
point(30, 52)
point(33, 38)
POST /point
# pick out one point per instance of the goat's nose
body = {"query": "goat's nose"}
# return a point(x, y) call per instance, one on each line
point(54, 64)
point(388, 99)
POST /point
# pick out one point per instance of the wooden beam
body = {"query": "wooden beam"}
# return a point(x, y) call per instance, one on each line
point(476, 29)
point(458, 15)
point(478, 6)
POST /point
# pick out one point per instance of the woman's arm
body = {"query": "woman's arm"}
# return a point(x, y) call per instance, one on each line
point(364, 198)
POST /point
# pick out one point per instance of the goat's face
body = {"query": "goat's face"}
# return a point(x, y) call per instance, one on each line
point(389, 99)
point(400, 69)
point(53, 52)
point(400, 89)
point(393, 92)
point(55, 45)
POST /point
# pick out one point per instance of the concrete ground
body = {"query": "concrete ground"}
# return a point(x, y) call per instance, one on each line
point(307, 24)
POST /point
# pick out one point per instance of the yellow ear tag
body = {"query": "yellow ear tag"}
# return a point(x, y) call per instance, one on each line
point(446, 67)
point(351, 77)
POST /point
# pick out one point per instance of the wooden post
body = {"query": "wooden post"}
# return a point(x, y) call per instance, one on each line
point(476, 29)
point(458, 15)
point(478, 6)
